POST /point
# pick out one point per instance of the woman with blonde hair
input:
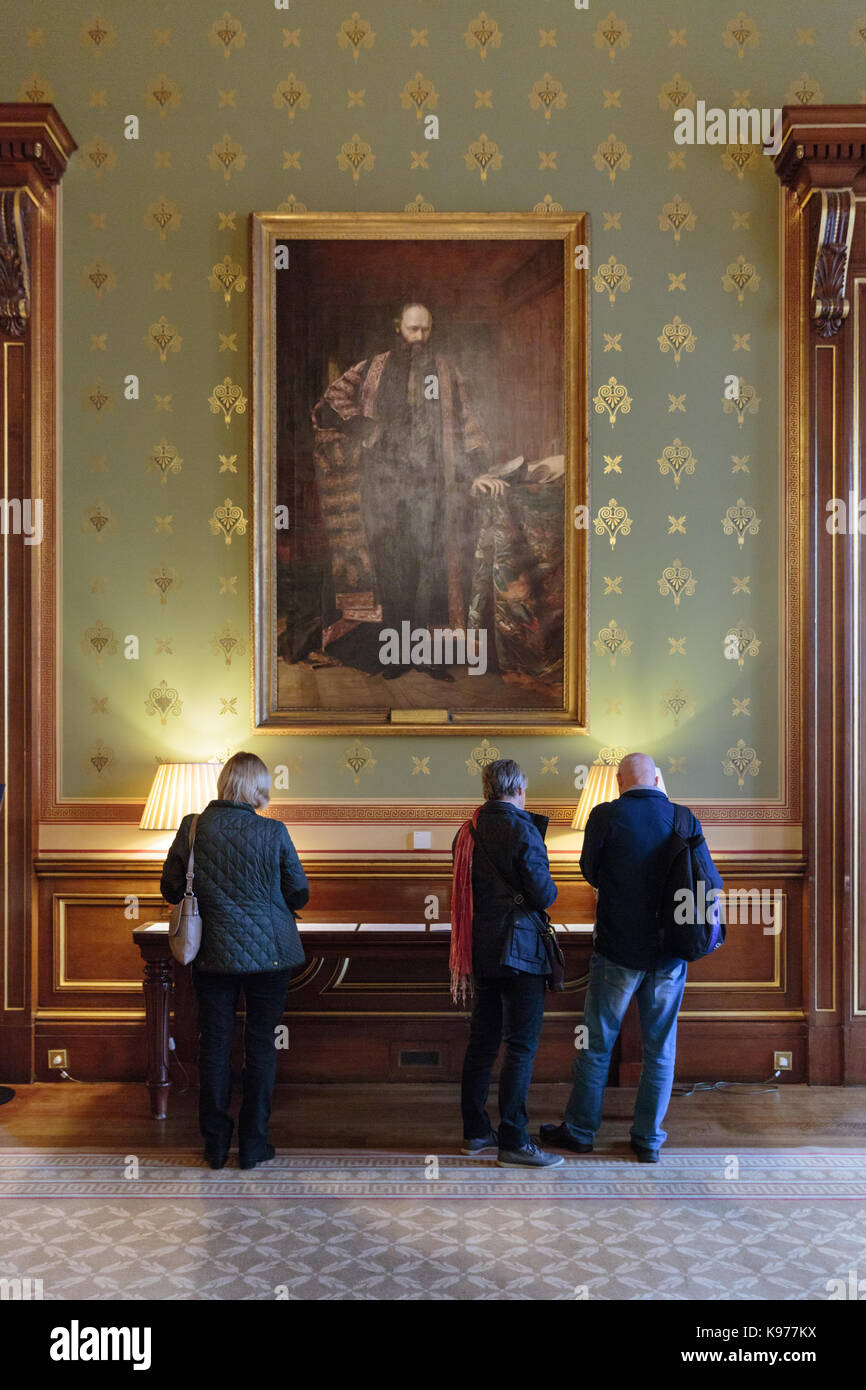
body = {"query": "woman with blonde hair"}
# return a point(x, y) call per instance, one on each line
point(249, 882)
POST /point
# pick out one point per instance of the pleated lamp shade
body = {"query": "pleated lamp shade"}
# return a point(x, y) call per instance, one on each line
point(600, 784)
point(178, 790)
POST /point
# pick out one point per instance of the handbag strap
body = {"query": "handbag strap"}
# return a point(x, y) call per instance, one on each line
point(190, 865)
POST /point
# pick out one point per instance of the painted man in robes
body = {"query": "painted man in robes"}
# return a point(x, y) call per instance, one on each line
point(398, 454)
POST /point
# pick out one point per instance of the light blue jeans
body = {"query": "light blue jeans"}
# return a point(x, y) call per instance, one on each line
point(659, 995)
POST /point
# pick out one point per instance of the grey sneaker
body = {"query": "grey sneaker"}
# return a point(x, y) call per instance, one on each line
point(477, 1146)
point(530, 1156)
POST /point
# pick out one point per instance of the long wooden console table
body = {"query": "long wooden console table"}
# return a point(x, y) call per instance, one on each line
point(170, 1002)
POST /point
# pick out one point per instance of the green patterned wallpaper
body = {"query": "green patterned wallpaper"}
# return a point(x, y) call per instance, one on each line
point(249, 108)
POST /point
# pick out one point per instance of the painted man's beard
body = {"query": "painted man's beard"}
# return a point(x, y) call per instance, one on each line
point(415, 352)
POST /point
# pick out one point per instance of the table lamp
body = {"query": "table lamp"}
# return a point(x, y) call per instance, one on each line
point(178, 789)
point(600, 784)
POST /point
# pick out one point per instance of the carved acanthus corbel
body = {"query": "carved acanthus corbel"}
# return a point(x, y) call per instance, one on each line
point(829, 278)
point(14, 277)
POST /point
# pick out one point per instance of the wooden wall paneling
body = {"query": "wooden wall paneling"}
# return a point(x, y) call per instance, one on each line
point(360, 1001)
point(34, 149)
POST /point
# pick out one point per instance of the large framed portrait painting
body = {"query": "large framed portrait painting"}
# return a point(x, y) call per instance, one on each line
point(419, 459)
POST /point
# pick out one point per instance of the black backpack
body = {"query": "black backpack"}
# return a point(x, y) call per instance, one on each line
point(691, 921)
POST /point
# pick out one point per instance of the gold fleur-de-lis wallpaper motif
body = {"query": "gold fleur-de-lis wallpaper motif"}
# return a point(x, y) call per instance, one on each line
point(291, 95)
point(678, 460)
point(483, 34)
point(612, 155)
point(418, 93)
point(227, 275)
point(356, 154)
point(355, 33)
point(481, 756)
point(740, 275)
point(227, 33)
point(746, 640)
point(677, 337)
point(741, 760)
point(163, 215)
point(741, 33)
point(612, 521)
point(240, 109)
point(746, 402)
point(676, 94)
point(677, 216)
point(612, 397)
point(357, 759)
point(228, 643)
point(163, 699)
point(612, 33)
point(483, 155)
point(612, 276)
point(228, 521)
point(547, 95)
point(99, 641)
point(614, 640)
point(741, 520)
point(164, 459)
point(227, 399)
point(677, 580)
point(679, 703)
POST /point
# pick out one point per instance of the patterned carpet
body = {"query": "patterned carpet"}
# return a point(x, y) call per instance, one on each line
point(299, 1174)
point(372, 1227)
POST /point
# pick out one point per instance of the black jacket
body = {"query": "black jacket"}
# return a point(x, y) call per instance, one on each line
point(248, 881)
point(514, 840)
point(625, 856)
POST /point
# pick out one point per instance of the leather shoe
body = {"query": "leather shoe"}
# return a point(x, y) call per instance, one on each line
point(217, 1158)
point(245, 1161)
point(559, 1138)
point(644, 1155)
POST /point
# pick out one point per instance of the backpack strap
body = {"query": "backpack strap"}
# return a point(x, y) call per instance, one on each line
point(683, 821)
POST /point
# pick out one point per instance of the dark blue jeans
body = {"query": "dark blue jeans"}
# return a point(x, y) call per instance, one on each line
point(265, 1001)
point(659, 993)
point(509, 1010)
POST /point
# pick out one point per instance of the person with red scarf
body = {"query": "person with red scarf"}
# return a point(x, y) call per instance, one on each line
point(501, 877)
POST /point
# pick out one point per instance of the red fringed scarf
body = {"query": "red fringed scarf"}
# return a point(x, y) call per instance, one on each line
point(461, 913)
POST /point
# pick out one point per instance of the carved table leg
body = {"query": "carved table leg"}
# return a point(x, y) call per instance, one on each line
point(157, 997)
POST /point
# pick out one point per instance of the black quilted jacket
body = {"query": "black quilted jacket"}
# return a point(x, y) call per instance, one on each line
point(248, 881)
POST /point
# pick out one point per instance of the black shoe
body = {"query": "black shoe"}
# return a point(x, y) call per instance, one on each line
point(477, 1146)
point(559, 1137)
point(644, 1155)
point(530, 1156)
point(216, 1157)
point(245, 1161)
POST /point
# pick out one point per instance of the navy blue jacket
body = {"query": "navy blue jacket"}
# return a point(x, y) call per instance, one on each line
point(626, 856)
point(514, 840)
point(248, 881)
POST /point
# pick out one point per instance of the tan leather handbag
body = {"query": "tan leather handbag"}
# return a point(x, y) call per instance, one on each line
point(184, 924)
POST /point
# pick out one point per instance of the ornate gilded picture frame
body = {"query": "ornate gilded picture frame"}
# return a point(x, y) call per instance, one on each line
point(420, 472)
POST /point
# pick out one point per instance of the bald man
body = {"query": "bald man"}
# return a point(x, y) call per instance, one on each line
point(626, 855)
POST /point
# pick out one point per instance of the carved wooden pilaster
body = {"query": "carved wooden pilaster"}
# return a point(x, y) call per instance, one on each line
point(34, 148)
point(822, 162)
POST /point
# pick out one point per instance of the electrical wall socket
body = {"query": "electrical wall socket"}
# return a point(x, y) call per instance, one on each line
point(782, 1061)
point(58, 1058)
